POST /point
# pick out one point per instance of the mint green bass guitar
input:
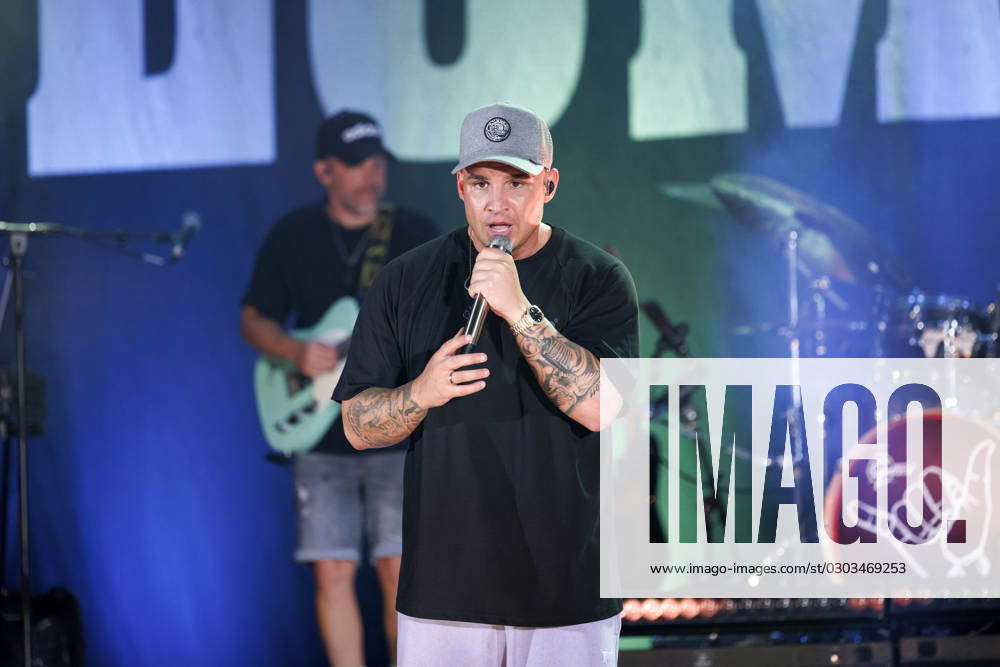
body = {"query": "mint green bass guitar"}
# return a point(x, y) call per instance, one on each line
point(296, 410)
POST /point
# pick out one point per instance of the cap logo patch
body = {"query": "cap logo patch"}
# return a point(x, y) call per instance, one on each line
point(358, 131)
point(497, 129)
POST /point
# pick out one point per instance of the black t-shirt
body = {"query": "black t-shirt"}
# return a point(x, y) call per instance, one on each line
point(307, 262)
point(500, 511)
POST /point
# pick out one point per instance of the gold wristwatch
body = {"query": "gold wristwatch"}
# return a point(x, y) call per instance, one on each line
point(533, 316)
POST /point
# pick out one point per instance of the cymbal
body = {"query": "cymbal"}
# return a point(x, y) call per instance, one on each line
point(829, 242)
point(693, 192)
point(770, 216)
point(840, 325)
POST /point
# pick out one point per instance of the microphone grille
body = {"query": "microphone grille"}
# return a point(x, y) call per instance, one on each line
point(502, 242)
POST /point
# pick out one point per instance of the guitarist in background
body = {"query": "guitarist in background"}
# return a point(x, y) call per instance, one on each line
point(312, 258)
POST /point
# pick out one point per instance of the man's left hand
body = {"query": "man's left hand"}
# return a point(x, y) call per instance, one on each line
point(495, 277)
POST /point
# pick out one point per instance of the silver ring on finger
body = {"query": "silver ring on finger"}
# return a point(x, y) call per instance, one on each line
point(450, 381)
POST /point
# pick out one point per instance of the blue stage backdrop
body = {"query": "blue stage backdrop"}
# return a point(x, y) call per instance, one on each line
point(151, 498)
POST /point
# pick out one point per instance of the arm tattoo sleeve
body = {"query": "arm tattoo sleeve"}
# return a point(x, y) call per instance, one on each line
point(382, 417)
point(567, 373)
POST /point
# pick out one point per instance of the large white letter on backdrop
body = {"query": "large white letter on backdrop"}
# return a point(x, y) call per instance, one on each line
point(688, 77)
point(810, 43)
point(95, 110)
point(940, 60)
point(371, 56)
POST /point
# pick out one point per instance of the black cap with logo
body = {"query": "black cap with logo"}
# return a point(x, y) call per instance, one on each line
point(351, 137)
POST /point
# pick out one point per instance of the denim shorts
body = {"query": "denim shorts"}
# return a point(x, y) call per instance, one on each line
point(337, 494)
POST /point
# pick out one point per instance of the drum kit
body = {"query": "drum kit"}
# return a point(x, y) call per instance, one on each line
point(846, 296)
point(824, 249)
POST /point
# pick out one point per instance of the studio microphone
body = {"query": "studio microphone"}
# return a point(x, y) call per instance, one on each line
point(477, 316)
point(190, 223)
point(671, 334)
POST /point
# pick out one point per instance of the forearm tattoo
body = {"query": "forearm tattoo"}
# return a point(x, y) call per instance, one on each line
point(567, 373)
point(382, 417)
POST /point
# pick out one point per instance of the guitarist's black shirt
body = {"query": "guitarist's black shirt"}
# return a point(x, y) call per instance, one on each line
point(307, 262)
point(500, 512)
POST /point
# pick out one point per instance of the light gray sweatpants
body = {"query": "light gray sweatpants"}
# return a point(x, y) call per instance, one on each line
point(428, 643)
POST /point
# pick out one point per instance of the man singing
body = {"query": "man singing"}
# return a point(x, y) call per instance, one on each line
point(500, 519)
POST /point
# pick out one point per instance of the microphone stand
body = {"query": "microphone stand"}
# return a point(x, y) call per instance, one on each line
point(671, 338)
point(796, 430)
point(19, 233)
point(178, 240)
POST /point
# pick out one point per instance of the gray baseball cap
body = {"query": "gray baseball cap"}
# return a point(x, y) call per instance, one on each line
point(505, 133)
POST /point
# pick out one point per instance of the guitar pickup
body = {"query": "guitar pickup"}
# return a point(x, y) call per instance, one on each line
point(296, 382)
point(292, 420)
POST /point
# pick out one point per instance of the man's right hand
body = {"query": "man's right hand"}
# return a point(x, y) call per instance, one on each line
point(315, 358)
point(441, 380)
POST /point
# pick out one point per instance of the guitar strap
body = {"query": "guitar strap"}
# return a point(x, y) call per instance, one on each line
point(377, 250)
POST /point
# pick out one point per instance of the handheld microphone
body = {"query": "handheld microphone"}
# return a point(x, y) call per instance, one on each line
point(190, 224)
point(477, 316)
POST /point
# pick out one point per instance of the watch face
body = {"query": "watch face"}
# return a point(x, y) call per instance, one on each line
point(535, 313)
